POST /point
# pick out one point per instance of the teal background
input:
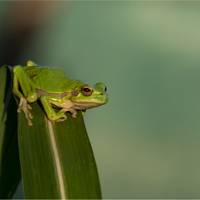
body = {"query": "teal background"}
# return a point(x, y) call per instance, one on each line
point(146, 140)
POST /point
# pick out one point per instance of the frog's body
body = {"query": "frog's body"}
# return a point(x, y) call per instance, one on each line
point(51, 74)
point(55, 88)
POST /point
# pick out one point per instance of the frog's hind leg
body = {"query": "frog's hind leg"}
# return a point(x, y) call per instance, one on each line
point(27, 86)
point(29, 92)
point(47, 100)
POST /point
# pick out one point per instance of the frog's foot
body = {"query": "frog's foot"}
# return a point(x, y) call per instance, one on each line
point(23, 105)
point(74, 113)
point(59, 117)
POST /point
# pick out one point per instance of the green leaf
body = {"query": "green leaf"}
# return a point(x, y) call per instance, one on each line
point(10, 172)
point(56, 158)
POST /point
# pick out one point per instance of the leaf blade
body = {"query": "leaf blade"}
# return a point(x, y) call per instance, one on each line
point(10, 172)
point(71, 171)
point(81, 164)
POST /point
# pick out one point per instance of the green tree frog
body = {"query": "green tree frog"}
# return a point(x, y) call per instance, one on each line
point(54, 88)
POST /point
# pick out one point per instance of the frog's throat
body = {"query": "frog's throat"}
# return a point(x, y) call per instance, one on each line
point(61, 95)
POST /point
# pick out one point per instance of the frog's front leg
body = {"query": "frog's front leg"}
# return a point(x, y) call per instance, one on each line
point(28, 89)
point(47, 100)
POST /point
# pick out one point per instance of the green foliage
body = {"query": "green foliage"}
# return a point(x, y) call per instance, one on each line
point(10, 173)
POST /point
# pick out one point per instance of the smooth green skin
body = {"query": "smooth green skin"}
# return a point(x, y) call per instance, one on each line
point(54, 88)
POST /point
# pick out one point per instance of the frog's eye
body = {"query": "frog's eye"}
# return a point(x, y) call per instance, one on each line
point(86, 90)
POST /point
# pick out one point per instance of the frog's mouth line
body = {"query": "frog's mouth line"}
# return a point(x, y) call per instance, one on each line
point(86, 105)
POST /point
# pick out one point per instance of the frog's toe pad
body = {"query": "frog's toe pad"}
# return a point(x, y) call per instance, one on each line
point(19, 110)
point(30, 123)
point(30, 116)
point(74, 115)
point(29, 107)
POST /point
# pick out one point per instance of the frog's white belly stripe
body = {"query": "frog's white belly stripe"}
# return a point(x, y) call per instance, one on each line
point(85, 105)
point(76, 105)
point(57, 160)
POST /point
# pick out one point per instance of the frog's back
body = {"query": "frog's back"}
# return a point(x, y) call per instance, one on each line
point(51, 79)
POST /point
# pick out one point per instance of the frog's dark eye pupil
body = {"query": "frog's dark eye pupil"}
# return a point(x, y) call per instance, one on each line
point(105, 89)
point(86, 90)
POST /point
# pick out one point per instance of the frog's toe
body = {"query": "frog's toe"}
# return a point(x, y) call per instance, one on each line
point(19, 110)
point(30, 123)
point(61, 119)
point(30, 115)
point(27, 115)
point(74, 115)
point(29, 107)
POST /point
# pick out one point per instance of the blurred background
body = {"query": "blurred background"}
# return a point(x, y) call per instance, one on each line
point(146, 140)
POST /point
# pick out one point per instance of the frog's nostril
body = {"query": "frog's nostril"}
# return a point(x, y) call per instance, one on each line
point(101, 94)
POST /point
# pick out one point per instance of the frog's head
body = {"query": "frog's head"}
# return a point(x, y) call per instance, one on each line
point(90, 95)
